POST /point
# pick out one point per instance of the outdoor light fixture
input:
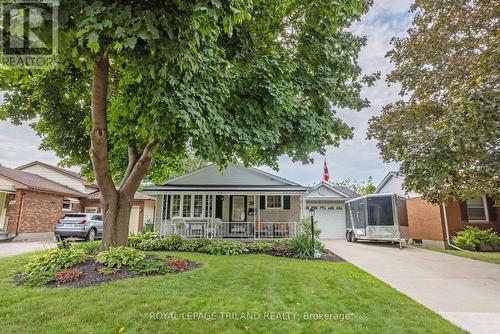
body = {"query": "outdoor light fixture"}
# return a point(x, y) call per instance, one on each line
point(317, 254)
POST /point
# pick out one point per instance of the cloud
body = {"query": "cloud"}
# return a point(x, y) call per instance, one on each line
point(355, 159)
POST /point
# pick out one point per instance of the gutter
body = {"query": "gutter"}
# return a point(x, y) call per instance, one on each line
point(445, 214)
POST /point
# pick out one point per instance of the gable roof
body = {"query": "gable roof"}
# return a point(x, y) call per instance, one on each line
point(31, 181)
point(386, 179)
point(336, 191)
point(57, 169)
point(234, 177)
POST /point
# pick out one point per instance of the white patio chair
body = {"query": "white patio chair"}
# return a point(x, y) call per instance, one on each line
point(213, 227)
point(196, 229)
point(180, 226)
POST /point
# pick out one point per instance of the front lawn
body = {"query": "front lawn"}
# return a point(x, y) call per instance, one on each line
point(259, 286)
point(492, 257)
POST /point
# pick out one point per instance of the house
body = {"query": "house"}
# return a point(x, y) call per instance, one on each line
point(327, 200)
point(243, 202)
point(433, 225)
point(33, 197)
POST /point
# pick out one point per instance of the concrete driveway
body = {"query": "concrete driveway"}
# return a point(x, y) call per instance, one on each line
point(464, 291)
point(16, 248)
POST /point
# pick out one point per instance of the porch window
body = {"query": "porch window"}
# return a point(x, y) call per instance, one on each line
point(208, 206)
point(67, 205)
point(176, 205)
point(274, 202)
point(238, 214)
point(476, 209)
point(186, 206)
point(198, 205)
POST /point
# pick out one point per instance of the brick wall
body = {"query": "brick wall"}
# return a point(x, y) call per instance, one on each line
point(456, 221)
point(424, 220)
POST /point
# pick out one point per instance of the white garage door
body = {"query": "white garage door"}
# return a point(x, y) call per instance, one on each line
point(133, 225)
point(331, 219)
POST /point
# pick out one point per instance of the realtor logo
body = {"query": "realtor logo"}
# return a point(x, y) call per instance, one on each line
point(29, 33)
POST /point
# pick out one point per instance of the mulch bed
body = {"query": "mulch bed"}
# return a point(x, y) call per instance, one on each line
point(329, 256)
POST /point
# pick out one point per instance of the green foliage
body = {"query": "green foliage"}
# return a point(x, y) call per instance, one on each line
point(225, 247)
point(194, 245)
point(63, 243)
point(445, 133)
point(197, 72)
point(260, 247)
point(301, 247)
point(107, 271)
point(172, 243)
point(472, 238)
point(149, 235)
point(362, 188)
point(134, 240)
point(150, 267)
point(120, 256)
point(305, 227)
point(152, 244)
point(89, 247)
point(42, 269)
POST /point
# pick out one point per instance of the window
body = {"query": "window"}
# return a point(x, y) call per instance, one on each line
point(274, 202)
point(238, 214)
point(97, 217)
point(340, 207)
point(92, 209)
point(476, 209)
point(67, 205)
point(186, 206)
point(208, 206)
point(176, 205)
point(198, 205)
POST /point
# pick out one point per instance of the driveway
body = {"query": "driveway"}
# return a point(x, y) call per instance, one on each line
point(464, 291)
point(16, 248)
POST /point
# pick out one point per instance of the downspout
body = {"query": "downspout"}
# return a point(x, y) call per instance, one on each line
point(445, 214)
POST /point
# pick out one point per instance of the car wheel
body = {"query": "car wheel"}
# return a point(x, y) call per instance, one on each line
point(353, 237)
point(348, 236)
point(91, 235)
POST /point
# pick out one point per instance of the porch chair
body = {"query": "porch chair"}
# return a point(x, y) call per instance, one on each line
point(196, 229)
point(180, 226)
point(213, 228)
point(281, 230)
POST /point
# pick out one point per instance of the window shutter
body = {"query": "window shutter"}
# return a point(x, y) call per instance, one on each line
point(286, 202)
point(164, 209)
point(262, 202)
point(492, 211)
point(463, 211)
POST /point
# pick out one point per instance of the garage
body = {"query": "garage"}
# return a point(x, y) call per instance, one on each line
point(328, 203)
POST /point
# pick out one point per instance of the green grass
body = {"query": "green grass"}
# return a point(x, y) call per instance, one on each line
point(492, 257)
point(248, 283)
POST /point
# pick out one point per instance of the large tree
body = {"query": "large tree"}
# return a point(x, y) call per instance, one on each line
point(446, 132)
point(154, 81)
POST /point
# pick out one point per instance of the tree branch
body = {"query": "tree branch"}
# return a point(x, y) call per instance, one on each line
point(133, 156)
point(99, 136)
point(140, 169)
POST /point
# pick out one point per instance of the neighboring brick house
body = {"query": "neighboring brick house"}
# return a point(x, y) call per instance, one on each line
point(428, 223)
point(33, 197)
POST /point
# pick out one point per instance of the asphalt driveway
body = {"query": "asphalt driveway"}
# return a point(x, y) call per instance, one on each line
point(16, 248)
point(464, 291)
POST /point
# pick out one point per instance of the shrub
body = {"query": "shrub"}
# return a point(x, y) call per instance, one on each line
point(107, 271)
point(63, 243)
point(301, 247)
point(120, 256)
point(69, 275)
point(473, 238)
point(89, 247)
point(134, 241)
point(225, 247)
point(151, 244)
point(178, 265)
point(281, 248)
point(149, 235)
point(151, 267)
point(305, 227)
point(172, 243)
point(260, 247)
point(42, 269)
point(194, 245)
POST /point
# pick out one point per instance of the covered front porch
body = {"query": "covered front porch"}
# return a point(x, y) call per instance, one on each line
point(4, 219)
point(231, 215)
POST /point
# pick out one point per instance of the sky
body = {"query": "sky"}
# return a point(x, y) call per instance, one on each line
point(355, 159)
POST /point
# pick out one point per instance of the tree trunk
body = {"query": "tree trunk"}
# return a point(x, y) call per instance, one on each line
point(115, 203)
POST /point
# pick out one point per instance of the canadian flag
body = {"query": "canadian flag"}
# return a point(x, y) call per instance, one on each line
point(326, 176)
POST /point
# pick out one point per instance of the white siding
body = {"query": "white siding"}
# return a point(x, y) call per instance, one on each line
point(323, 192)
point(149, 211)
point(395, 185)
point(232, 175)
point(7, 185)
point(58, 178)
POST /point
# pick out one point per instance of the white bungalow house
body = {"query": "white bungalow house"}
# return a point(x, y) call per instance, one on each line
point(245, 203)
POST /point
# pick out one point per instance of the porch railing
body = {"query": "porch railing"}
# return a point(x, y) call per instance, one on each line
point(231, 230)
